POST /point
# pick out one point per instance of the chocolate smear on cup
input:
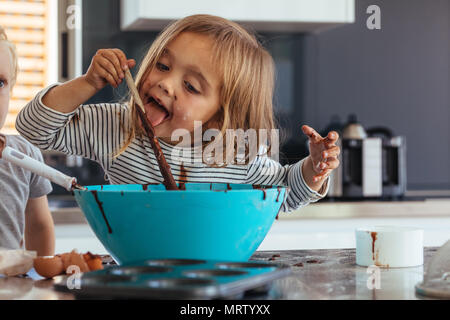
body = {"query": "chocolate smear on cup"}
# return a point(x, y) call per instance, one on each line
point(100, 206)
point(374, 238)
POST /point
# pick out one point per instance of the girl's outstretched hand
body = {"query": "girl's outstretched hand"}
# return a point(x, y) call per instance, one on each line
point(323, 152)
point(108, 66)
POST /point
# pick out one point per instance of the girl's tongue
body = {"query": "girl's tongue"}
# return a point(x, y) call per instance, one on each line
point(155, 113)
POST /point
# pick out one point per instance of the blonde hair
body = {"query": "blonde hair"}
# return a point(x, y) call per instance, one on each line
point(12, 50)
point(245, 67)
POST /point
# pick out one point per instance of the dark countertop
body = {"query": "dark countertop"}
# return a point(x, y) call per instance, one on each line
point(333, 274)
point(316, 274)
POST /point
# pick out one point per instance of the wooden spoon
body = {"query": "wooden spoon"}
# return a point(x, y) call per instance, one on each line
point(169, 181)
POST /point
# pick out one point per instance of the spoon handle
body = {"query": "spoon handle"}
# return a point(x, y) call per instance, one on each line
point(19, 159)
point(134, 92)
point(164, 168)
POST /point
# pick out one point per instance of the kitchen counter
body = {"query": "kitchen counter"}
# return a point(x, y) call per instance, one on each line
point(332, 274)
point(433, 207)
point(319, 225)
point(439, 207)
point(316, 274)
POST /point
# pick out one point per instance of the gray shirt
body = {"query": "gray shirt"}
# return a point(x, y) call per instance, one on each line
point(16, 187)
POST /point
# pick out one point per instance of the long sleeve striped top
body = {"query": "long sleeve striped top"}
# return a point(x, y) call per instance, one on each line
point(96, 132)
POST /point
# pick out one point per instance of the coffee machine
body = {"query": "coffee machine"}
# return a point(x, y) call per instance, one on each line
point(372, 164)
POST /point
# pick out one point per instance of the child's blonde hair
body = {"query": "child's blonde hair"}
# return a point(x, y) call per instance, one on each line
point(12, 50)
point(246, 70)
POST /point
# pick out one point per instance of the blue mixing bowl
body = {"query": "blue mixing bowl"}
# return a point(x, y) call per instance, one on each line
point(216, 221)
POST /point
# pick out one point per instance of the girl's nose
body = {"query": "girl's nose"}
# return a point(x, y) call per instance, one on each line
point(168, 89)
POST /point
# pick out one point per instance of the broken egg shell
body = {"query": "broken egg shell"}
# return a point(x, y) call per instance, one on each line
point(65, 257)
point(48, 266)
point(93, 261)
point(95, 264)
point(74, 258)
point(77, 259)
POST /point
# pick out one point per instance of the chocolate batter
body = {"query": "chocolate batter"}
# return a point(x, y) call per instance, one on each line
point(273, 257)
point(258, 187)
point(100, 206)
point(278, 196)
point(2, 144)
point(79, 187)
point(374, 238)
point(169, 181)
point(314, 261)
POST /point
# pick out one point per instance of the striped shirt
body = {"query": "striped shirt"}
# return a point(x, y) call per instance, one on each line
point(97, 131)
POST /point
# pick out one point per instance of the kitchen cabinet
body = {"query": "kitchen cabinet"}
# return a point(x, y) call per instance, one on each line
point(260, 15)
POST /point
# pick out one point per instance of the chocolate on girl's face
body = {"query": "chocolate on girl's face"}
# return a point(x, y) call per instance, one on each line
point(5, 79)
point(183, 87)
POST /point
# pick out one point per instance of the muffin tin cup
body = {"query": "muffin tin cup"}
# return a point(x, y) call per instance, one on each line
point(178, 279)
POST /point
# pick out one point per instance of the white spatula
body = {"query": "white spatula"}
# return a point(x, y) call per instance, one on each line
point(22, 160)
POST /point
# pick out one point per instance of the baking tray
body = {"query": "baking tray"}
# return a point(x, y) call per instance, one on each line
point(176, 279)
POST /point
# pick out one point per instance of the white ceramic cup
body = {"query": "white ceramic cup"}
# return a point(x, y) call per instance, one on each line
point(389, 246)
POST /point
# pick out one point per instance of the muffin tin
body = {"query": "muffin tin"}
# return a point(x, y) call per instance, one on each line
point(177, 279)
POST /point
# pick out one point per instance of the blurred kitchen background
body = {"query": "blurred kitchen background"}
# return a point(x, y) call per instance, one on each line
point(375, 70)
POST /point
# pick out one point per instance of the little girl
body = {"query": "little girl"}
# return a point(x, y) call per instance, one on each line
point(200, 70)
